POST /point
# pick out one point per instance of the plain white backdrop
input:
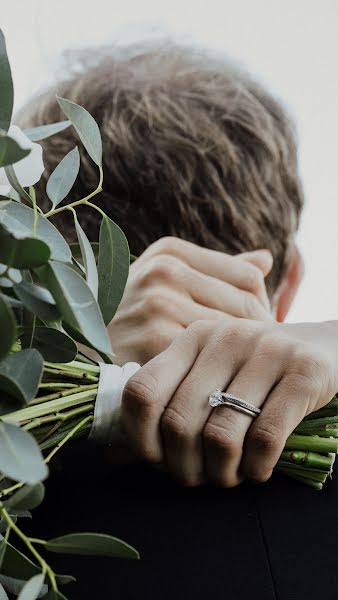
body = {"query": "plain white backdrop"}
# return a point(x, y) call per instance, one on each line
point(291, 46)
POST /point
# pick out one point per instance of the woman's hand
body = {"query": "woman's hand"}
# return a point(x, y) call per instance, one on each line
point(175, 283)
point(288, 371)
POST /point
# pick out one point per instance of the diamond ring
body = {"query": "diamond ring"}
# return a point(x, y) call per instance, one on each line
point(218, 398)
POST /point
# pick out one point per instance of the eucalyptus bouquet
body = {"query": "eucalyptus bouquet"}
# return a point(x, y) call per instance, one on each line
point(52, 296)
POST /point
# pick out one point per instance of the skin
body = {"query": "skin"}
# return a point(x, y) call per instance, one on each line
point(198, 337)
point(288, 371)
point(175, 283)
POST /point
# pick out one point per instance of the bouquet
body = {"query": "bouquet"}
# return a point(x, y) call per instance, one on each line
point(54, 295)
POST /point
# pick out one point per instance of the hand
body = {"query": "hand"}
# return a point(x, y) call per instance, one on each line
point(175, 283)
point(287, 370)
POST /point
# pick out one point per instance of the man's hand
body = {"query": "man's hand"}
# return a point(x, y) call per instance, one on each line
point(288, 371)
point(175, 283)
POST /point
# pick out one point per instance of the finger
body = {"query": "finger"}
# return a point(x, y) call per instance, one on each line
point(263, 259)
point(184, 419)
point(148, 392)
point(225, 431)
point(283, 410)
point(224, 297)
point(238, 273)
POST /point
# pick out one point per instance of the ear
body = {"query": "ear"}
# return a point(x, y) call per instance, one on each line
point(289, 286)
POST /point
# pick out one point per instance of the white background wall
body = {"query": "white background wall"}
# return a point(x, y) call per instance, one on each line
point(291, 45)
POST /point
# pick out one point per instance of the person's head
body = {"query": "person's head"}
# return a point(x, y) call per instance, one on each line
point(192, 147)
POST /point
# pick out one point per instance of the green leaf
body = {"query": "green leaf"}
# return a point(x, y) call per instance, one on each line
point(8, 327)
point(54, 345)
point(10, 151)
point(86, 128)
point(63, 177)
point(64, 579)
point(37, 300)
point(6, 86)
point(3, 595)
point(14, 585)
point(97, 544)
point(36, 134)
point(17, 565)
point(75, 335)
point(76, 303)
point(22, 253)
point(13, 180)
point(20, 456)
point(76, 250)
point(20, 374)
point(27, 497)
point(113, 267)
point(18, 220)
point(88, 258)
point(33, 587)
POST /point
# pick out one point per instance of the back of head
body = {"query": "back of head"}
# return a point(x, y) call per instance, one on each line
point(192, 147)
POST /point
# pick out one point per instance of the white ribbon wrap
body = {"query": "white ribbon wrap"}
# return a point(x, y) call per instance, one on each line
point(108, 400)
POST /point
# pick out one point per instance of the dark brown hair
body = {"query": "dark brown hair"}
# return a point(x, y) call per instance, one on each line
point(193, 147)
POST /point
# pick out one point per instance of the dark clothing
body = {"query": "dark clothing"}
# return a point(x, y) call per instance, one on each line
point(277, 541)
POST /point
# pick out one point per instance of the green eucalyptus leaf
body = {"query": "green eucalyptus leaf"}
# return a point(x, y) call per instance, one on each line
point(14, 274)
point(75, 335)
point(8, 327)
point(32, 588)
point(86, 128)
point(76, 303)
point(88, 259)
point(36, 134)
point(18, 220)
point(20, 374)
point(76, 250)
point(6, 87)
point(14, 585)
point(20, 456)
point(113, 267)
point(53, 345)
point(16, 564)
point(64, 579)
point(97, 544)
point(22, 253)
point(26, 498)
point(5, 282)
point(3, 595)
point(17, 187)
point(37, 300)
point(63, 177)
point(10, 151)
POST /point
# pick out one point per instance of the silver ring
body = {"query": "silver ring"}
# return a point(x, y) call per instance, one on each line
point(218, 398)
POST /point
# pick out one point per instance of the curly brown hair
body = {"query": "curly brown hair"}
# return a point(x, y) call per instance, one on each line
point(193, 147)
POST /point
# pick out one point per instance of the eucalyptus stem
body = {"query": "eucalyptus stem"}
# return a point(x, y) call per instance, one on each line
point(28, 542)
point(54, 211)
point(67, 437)
point(312, 443)
point(308, 459)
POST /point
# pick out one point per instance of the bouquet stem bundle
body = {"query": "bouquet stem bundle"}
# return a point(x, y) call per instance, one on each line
point(64, 409)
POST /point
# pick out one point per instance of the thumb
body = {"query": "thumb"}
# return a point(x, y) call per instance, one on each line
point(262, 259)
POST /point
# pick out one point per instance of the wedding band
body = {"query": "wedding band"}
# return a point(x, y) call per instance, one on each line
point(218, 398)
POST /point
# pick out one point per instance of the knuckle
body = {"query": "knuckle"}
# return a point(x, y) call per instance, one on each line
point(265, 439)
point(310, 366)
point(219, 439)
point(166, 245)
point(258, 474)
point(140, 395)
point(174, 423)
point(163, 268)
